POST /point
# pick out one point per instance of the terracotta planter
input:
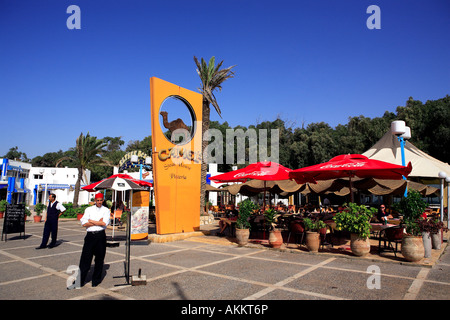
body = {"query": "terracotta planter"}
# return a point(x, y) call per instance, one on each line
point(412, 248)
point(242, 236)
point(1, 215)
point(275, 239)
point(37, 218)
point(312, 241)
point(360, 246)
point(79, 216)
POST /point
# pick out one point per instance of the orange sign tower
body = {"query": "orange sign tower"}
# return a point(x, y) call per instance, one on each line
point(176, 165)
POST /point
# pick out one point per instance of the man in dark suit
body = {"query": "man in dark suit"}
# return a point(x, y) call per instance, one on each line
point(54, 211)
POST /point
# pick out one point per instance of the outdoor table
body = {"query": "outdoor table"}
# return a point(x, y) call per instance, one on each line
point(377, 227)
point(394, 221)
point(231, 223)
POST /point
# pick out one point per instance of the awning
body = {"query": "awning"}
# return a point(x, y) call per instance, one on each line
point(53, 186)
point(56, 186)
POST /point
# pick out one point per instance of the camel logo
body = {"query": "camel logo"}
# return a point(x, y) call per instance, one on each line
point(180, 130)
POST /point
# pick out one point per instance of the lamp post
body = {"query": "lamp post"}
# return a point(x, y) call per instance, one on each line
point(442, 176)
point(403, 133)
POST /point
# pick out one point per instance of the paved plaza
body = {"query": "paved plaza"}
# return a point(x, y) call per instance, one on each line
point(201, 268)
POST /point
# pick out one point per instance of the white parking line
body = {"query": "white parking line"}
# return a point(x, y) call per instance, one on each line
point(414, 289)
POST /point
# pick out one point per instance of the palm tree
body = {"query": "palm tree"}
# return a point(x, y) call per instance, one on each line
point(212, 78)
point(88, 151)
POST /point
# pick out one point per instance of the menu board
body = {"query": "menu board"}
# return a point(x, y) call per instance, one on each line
point(14, 219)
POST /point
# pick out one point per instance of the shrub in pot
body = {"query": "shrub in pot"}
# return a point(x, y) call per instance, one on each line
point(246, 209)
point(39, 208)
point(356, 220)
point(312, 233)
point(275, 236)
point(3, 204)
point(411, 207)
point(27, 213)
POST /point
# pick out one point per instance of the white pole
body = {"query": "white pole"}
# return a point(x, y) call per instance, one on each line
point(442, 176)
point(448, 199)
point(114, 213)
point(442, 199)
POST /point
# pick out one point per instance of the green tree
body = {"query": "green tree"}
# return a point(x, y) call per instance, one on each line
point(88, 152)
point(49, 159)
point(212, 77)
point(113, 143)
point(144, 145)
point(15, 154)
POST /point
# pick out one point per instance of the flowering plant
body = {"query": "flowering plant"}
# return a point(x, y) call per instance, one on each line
point(431, 226)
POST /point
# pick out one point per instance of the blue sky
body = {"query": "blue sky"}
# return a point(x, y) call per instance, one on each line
point(302, 61)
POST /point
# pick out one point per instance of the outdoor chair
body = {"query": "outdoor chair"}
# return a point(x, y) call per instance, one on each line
point(326, 235)
point(297, 228)
point(115, 218)
point(389, 237)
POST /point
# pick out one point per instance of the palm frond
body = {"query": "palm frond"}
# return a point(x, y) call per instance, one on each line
point(212, 78)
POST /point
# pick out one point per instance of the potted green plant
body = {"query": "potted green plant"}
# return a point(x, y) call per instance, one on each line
point(432, 229)
point(312, 233)
point(411, 207)
point(79, 212)
point(275, 236)
point(39, 208)
point(356, 220)
point(246, 209)
point(3, 204)
point(27, 213)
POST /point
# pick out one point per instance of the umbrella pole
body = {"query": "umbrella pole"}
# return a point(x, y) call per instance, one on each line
point(351, 189)
point(264, 210)
point(114, 213)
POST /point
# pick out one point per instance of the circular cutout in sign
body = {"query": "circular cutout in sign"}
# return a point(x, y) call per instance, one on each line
point(177, 120)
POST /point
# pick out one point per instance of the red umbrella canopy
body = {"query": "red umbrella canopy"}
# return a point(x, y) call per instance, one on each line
point(265, 170)
point(142, 183)
point(351, 165)
point(90, 187)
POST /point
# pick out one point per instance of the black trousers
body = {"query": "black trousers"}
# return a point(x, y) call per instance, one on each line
point(50, 227)
point(94, 245)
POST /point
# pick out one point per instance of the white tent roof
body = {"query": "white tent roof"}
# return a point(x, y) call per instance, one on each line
point(423, 165)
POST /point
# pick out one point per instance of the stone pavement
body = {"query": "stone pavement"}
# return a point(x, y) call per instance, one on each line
point(213, 269)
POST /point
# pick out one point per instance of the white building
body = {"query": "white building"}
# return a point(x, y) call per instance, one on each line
point(21, 182)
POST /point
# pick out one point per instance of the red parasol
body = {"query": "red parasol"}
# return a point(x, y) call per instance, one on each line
point(142, 183)
point(266, 170)
point(351, 165)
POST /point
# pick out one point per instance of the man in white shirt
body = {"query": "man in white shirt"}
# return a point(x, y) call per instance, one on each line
point(54, 211)
point(95, 220)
